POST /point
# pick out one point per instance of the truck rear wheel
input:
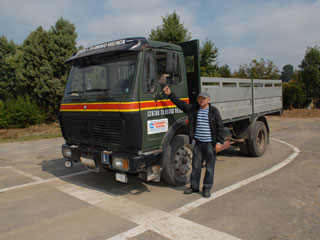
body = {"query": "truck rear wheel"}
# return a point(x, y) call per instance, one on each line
point(258, 142)
point(178, 161)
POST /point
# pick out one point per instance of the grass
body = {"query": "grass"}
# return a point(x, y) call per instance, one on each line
point(302, 113)
point(35, 132)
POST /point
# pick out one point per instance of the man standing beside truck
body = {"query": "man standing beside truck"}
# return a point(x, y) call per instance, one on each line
point(206, 127)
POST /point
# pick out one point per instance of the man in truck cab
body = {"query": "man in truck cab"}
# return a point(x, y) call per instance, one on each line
point(206, 128)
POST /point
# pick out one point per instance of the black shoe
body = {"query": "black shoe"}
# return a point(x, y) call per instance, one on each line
point(206, 193)
point(190, 190)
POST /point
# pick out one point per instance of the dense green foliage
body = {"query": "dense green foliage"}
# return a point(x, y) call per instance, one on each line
point(294, 95)
point(287, 73)
point(36, 69)
point(225, 71)
point(171, 30)
point(20, 112)
point(258, 70)
point(7, 73)
point(208, 59)
point(43, 73)
point(310, 73)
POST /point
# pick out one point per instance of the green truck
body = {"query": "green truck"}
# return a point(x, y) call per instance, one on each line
point(115, 116)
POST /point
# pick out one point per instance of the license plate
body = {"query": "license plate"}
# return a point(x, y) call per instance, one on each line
point(88, 162)
point(105, 158)
point(121, 177)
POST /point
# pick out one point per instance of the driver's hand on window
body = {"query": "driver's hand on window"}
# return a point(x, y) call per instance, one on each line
point(163, 78)
point(166, 90)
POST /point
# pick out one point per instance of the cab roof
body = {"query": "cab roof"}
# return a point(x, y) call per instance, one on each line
point(136, 44)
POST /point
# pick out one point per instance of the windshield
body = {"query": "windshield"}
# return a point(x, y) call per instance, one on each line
point(103, 76)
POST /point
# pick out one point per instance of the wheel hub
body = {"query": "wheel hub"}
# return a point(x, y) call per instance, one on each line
point(182, 161)
point(261, 140)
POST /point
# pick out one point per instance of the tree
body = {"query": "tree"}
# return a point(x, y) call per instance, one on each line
point(310, 73)
point(7, 73)
point(64, 45)
point(208, 59)
point(44, 73)
point(36, 71)
point(258, 70)
point(225, 71)
point(171, 30)
point(294, 95)
point(241, 73)
point(287, 73)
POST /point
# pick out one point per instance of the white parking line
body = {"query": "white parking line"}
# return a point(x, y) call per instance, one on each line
point(186, 208)
point(40, 181)
point(33, 177)
point(161, 222)
point(133, 232)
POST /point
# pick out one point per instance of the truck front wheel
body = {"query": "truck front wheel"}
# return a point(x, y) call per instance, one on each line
point(178, 161)
point(258, 142)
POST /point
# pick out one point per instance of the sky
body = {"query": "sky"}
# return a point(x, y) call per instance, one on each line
point(242, 30)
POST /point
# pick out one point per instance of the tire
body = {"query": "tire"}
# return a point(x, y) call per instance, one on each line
point(244, 148)
point(257, 144)
point(178, 161)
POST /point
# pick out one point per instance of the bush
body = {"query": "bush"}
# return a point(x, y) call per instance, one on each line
point(20, 112)
point(294, 95)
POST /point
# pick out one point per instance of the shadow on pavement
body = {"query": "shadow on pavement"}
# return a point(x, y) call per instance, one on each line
point(233, 152)
point(103, 181)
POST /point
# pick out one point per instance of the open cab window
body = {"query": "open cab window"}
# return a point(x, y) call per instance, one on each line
point(160, 68)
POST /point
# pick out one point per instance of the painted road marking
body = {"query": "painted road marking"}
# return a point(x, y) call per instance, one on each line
point(186, 208)
point(33, 177)
point(133, 232)
point(161, 222)
point(40, 181)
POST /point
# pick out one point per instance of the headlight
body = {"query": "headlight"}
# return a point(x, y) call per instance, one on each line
point(66, 151)
point(120, 163)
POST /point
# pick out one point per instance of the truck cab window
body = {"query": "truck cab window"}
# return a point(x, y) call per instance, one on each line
point(96, 76)
point(163, 74)
point(149, 73)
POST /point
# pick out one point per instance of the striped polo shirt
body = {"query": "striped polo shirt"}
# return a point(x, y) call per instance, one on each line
point(203, 131)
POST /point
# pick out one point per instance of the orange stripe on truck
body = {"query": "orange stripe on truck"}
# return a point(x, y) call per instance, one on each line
point(118, 106)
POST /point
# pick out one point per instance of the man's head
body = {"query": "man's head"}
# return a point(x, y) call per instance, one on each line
point(203, 99)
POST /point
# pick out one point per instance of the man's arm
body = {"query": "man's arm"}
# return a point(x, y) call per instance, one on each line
point(180, 104)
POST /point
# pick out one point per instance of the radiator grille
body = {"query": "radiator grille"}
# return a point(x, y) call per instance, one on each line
point(88, 128)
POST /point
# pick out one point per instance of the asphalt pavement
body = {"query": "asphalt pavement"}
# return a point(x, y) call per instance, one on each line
point(276, 196)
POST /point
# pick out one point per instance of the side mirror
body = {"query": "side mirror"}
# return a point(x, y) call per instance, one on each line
point(172, 63)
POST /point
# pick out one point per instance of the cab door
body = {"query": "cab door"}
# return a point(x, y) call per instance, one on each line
point(192, 59)
point(158, 113)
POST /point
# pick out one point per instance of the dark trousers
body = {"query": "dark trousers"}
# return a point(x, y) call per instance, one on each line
point(203, 151)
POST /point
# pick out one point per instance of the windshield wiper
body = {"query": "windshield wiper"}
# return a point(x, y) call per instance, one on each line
point(104, 90)
point(80, 94)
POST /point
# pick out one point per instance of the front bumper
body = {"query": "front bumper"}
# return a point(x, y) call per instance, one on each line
point(131, 162)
